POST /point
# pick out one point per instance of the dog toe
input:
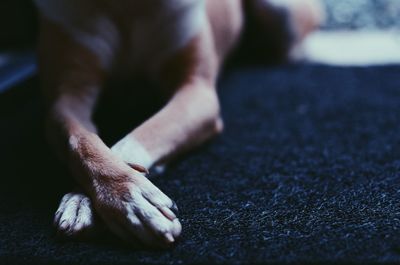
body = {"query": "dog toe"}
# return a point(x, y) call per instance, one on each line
point(75, 215)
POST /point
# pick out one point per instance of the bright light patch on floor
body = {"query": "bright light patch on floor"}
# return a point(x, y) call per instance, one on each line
point(353, 47)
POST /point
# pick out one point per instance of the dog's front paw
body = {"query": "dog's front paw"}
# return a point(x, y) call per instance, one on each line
point(74, 216)
point(137, 211)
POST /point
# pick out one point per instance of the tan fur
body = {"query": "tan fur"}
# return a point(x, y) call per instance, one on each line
point(77, 55)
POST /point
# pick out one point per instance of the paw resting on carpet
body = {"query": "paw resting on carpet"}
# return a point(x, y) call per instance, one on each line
point(137, 210)
point(74, 216)
point(137, 213)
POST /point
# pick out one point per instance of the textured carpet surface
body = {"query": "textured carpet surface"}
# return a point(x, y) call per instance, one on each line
point(306, 171)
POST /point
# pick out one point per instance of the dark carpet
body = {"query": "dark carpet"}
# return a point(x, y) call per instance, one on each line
point(307, 171)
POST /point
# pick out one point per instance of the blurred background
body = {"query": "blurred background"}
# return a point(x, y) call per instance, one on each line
point(356, 32)
point(18, 24)
point(362, 14)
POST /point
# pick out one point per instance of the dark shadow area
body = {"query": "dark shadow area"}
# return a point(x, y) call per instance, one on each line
point(123, 106)
point(18, 24)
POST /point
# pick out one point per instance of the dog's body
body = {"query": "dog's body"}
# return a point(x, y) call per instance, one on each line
point(181, 44)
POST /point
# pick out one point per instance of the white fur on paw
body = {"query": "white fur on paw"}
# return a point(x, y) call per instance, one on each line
point(146, 214)
point(74, 215)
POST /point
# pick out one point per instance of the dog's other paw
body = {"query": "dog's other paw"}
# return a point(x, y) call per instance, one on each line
point(138, 212)
point(75, 216)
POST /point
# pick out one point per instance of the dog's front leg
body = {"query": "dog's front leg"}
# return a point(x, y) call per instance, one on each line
point(131, 206)
point(192, 115)
point(190, 118)
point(71, 81)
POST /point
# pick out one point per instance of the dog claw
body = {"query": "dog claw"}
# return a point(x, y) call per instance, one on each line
point(139, 168)
point(169, 238)
point(174, 208)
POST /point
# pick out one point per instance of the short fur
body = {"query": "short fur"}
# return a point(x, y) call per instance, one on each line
point(180, 44)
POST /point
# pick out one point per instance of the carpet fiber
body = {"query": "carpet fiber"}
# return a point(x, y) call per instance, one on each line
point(307, 170)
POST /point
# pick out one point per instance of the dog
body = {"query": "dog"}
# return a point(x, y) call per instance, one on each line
point(181, 45)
